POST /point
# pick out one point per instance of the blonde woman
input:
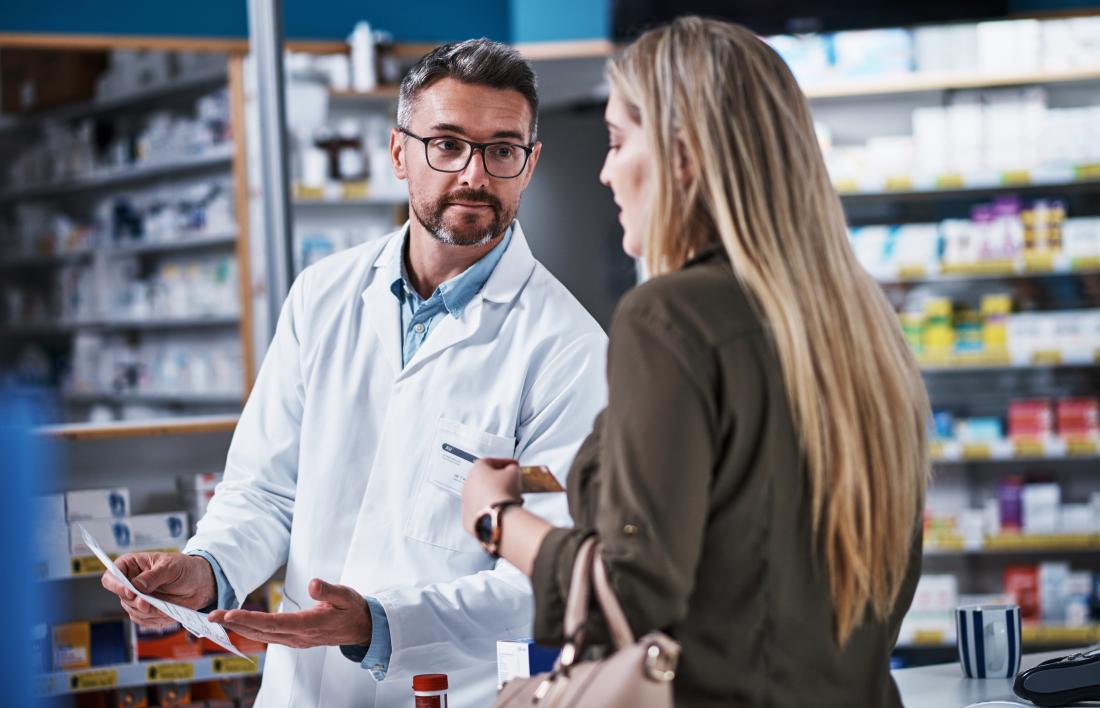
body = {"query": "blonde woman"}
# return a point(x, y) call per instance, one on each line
point(758, 476)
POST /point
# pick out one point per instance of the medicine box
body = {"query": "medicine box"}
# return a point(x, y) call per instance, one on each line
point(159, 531)
point(113, 503)
point(72, 646)
point(114, 535)
point(522, 658)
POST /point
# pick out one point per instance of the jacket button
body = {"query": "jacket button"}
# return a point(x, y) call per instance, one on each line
point(630, 529)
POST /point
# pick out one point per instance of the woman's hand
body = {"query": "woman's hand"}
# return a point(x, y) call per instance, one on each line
point(490, 480)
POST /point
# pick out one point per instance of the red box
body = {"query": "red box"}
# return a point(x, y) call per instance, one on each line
point(174, 642)
point(1032, 418)
point(1078, 417)
point(1021, 583)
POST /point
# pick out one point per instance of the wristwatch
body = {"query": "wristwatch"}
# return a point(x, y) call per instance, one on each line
point(487, 528)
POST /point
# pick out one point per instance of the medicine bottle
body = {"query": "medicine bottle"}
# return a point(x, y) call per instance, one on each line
point(430, 690)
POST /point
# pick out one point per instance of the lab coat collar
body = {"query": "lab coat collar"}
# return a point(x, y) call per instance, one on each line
point(505, 283)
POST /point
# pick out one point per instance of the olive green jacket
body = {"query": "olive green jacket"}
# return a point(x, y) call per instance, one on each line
point(694, 481)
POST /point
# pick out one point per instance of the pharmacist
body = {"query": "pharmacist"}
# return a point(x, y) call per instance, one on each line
point(393, 366)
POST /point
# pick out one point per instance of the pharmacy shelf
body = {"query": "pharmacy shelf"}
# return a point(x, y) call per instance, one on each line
point(1083, 178)
point(392, 201)
point(1032, 634)
point(1004, 451)
point(146, 673)
point(917, 276)
point(191, 399)
point(978, 367)
point(47, 260)
point(382, 96)
point(1015, 544)
point(186, 425)
point(943, 81)
point(78, 567)
point(153, 94)
point(218, 158)
point(195, 243)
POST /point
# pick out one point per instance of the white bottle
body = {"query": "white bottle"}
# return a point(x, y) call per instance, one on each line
point(363, 76)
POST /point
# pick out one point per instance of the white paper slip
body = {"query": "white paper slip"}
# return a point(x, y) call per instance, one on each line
point(194, 622)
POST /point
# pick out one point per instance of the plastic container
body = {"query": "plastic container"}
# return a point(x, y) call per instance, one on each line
point(430, 690)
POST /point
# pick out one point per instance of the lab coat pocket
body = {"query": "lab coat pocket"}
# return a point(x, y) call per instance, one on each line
point(437, 507)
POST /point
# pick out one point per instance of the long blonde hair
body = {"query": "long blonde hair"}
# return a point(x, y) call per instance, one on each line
point(716, 97)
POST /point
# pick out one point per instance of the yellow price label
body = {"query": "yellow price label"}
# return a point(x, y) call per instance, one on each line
point(355, 191)
point(950, 180)
point(234, 665)
point(1087, 171)
point(929, 637)
point(846, 185)
point(1039, 262)
point(935, 450)
point(976, 451)
point(1029, 448)
point(1086, 263)
point(87, 565)
point(308, 193)
point(1080, 446)
point(176, 671)
point(1051, 634)
point(912, 272)
point(1047, 357)
point(1015, 177)
point(93, 680)
point(902, 183)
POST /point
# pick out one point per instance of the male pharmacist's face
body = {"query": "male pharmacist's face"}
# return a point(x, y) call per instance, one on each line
point(470, 207)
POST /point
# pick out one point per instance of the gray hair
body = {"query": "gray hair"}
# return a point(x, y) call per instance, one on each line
point(481, 62)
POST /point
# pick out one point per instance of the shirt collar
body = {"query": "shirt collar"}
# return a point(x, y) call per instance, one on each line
point(457, 292)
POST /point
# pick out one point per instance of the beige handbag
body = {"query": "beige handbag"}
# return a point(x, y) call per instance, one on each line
point(636, 674)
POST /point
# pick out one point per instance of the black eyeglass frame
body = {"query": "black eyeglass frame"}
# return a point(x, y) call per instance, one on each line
point(474, 147)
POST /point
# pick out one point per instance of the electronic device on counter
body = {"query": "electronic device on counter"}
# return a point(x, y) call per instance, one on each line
point(1059, 682)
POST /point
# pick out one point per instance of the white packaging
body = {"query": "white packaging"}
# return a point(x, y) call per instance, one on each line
point(1078, 592)
point(1077, 519)
point(363, 76)
point(97, 504)
point(522, 658)
point(1053, 579)
point(159, 532)
point(1040, 507)
point(114, 535)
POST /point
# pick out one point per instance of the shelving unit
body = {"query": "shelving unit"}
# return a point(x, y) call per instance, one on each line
point(983, 385)
point(143, 673)
point(226, 162)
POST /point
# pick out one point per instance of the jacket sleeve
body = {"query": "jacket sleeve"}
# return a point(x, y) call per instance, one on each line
point(247, 524)
point(653, 460)
point(461, 620)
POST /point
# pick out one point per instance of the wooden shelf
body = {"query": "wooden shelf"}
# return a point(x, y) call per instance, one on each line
point(142, 428)
point(942, 81)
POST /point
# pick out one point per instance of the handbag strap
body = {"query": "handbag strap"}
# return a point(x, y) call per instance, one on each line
point(576, 604)
point(617, 624)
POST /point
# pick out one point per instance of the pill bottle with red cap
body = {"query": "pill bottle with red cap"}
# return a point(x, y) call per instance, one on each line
point(430, 690)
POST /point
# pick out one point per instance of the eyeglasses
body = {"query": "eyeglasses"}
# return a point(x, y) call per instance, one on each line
point(447, 154)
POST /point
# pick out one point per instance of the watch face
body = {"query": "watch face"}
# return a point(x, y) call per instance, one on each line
point(484, 528)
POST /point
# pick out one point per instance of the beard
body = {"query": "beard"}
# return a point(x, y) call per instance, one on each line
point(465, 230)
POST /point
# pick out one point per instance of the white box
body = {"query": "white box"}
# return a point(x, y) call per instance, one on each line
point(1040, 504)
point(113, 503)
point(159, 531)
point(522, 658)
point(114, 535)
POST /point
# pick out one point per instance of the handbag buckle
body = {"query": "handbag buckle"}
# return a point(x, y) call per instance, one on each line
point(568, 654)
point(660, 665)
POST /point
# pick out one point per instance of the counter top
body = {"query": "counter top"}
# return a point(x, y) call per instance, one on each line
point(945, 686)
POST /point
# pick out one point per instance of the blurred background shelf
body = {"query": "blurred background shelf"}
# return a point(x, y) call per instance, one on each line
point(943, 81)
point(145, 673)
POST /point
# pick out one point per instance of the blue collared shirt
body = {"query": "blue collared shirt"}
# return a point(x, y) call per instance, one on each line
point(418, 316)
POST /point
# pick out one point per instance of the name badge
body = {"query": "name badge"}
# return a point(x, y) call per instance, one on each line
point(453, 468)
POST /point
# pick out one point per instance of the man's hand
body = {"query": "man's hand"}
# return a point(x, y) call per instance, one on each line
point(340, 617)
point(172, 577)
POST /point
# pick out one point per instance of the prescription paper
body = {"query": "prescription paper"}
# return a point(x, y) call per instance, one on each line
point(194, 622)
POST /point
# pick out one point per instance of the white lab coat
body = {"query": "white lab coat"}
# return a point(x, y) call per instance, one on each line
point(337, 469)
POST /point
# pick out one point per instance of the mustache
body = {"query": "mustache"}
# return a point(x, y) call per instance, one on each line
point(474, 196)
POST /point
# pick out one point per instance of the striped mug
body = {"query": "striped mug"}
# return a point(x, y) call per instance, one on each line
point(988, 638)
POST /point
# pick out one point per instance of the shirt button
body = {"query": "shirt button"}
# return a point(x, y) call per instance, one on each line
point(630, 529)
point(419, 328)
